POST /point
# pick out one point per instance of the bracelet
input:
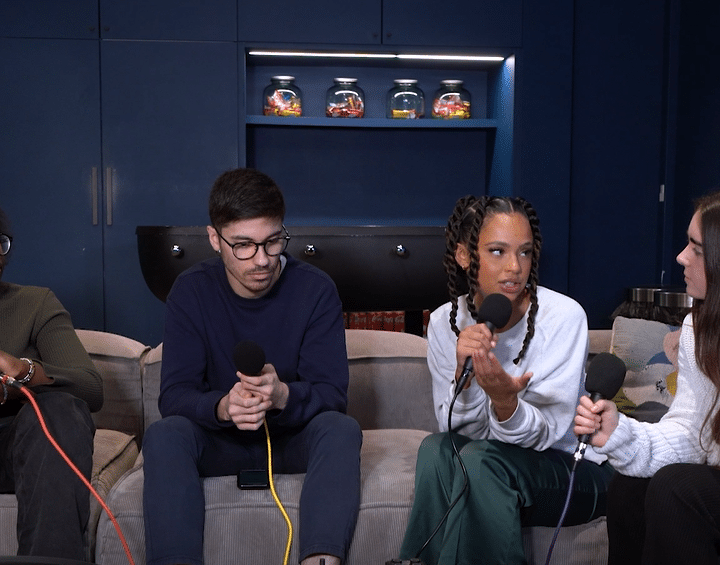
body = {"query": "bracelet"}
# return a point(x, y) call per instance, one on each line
point(31, 371)
point(5, 393)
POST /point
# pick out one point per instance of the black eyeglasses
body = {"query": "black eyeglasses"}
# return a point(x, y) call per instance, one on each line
point(5, 241)
point(248, 249)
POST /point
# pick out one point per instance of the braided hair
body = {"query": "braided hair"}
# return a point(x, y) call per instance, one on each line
point(464, 227)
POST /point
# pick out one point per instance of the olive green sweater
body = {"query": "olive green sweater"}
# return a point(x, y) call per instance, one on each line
point(35, 325)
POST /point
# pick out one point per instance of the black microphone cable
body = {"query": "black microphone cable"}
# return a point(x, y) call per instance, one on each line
point(605, 376)
point(571, 485)
point(456, 452)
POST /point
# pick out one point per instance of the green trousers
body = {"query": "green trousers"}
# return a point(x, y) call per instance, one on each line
point(509, 487)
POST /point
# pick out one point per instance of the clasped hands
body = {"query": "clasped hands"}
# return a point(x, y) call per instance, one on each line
point(477, 341)
point(251, 397)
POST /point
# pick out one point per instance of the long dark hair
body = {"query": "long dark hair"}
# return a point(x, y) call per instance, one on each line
point(706, 312)
point(464, 227)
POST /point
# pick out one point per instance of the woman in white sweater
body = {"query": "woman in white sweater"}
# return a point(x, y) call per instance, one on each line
point(664, 504)
point(514, 417)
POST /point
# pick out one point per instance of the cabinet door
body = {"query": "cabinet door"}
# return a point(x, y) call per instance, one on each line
point(170, 127)
point(480, 23)
point(49, 148)
point(169, 19)
point(49, 19)
point(310, 21)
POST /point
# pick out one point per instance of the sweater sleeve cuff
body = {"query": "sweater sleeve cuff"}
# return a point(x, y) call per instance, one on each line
point(620, 446)
point(207, 411)
point(514, 422)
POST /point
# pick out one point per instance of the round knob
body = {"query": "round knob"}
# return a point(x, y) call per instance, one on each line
point(177, 251)
point(310, 250)
point(401, 250)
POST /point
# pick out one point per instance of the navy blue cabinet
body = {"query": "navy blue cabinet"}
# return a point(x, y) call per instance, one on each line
point(50, 169)
point(49, 19)
point(310, 21)
point(169, 20)
point(169, 112)
point(75, 192)
point(480, 23)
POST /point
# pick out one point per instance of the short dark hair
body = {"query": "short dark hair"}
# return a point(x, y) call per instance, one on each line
point(244, 194)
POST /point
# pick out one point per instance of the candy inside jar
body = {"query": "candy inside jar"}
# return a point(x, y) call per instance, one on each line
point(451, 101)
point(282, 97)
point(345, 99)
point(405, 100)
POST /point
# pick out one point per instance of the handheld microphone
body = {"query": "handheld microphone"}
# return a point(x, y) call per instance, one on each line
point(605, 376)
point(249, 358)
point(494, 312)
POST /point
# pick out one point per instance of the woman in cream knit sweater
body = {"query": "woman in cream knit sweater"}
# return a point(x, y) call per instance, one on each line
point(664, 503)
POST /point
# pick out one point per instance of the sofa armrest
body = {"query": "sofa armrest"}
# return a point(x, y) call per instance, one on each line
point(390, 384)
point(119, 360)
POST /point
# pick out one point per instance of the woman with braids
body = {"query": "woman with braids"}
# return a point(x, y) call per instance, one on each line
point(664, 503)
point(513, 421)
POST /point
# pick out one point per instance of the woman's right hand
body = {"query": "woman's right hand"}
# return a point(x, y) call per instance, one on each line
point(598, 420)
point(473, 340)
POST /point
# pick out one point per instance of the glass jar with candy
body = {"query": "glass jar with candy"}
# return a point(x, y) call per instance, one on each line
point(405, 100)
point(345, 99)
point(451, 101)
point(282, 97)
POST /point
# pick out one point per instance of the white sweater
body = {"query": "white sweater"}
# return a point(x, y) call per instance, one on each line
point(639, 449)
point(546, 407)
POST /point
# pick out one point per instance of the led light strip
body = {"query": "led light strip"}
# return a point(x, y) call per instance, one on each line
point(376, 56)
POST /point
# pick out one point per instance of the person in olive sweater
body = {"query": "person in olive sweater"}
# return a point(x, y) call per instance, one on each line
point(40, 349)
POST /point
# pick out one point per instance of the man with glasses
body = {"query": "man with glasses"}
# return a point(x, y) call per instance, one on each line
point(40, 349)
point(214, 416)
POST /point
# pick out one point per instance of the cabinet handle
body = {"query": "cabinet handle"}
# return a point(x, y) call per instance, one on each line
point(94, 194)
point(310, 250)
point(109, 196)
point(401, 250)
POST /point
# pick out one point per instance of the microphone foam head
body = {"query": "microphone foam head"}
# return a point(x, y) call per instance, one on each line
point(495, 309)
point(605, 375)
point(249, 358)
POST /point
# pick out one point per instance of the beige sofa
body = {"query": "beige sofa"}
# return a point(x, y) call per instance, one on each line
point(389, 395)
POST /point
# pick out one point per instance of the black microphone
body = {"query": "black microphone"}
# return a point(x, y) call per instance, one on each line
point(249, 358)
point(494, 312)
point(605, 376)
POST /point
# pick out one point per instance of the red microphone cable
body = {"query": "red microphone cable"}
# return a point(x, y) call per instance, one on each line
point(9, 381)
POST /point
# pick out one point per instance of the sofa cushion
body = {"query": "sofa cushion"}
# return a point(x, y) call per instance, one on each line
point(388, 470)
point(390, 384)
point(651, 378)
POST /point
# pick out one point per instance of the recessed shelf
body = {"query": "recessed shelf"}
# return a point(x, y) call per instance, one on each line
point(371, 122)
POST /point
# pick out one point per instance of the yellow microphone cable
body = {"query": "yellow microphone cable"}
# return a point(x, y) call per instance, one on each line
point(275, 496)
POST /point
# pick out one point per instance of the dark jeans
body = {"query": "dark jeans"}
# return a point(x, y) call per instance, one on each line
point(53, 503)
point(178, 453)
point(671, 518)
point(509, 487)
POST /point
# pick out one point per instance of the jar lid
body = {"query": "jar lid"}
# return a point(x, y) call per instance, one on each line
point(643, 293)
point(673, 299)
point(405, 81)
point(282, 77)
point(341, 80)
point(451, 82)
